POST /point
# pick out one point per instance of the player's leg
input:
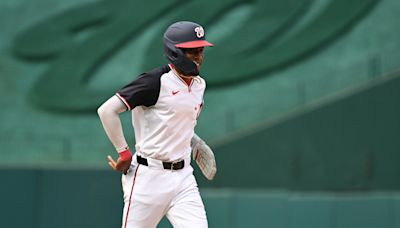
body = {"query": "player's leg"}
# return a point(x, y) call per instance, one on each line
point(147, 195)
point(187, 208)
point(128, 182)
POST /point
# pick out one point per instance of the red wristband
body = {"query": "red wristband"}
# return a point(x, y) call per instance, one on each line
point(125, 155)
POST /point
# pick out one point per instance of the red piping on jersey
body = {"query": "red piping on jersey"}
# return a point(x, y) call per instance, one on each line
point(190, 84)
point(123, 100)
point(200, 108)
point(130, 197)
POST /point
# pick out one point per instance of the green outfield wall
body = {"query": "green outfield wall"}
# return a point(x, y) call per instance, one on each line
point(65, 198)
point(333, 164)
point(347, 142)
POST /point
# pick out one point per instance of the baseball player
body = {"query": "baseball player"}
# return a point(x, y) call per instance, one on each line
point(165, 103)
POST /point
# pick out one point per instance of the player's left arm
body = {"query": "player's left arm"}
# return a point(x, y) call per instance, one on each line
point(201, 152)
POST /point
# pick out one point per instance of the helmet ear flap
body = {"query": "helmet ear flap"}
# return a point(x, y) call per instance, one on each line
point(177, 57)
point(170, 50)
point(184, 64)
point(174, 54)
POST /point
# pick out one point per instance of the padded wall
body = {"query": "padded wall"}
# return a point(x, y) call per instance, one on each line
point(45, 198)
point(346, 143)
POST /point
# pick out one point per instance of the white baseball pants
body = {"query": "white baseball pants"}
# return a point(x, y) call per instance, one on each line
point(151, 192)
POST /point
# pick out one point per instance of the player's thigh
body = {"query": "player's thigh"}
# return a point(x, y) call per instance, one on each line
point(188, 211)
point(148, 199)
point(142, 216)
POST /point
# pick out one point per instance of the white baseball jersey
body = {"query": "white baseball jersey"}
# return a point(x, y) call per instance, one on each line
point(164, 112)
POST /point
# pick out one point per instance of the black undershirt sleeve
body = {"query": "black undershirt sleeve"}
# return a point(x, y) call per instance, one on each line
point(144, 90)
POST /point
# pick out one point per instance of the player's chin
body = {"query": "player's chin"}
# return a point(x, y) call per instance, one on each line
point(199, 66)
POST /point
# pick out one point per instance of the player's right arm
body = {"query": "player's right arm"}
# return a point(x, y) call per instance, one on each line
point(142, 91)
point(109, 116)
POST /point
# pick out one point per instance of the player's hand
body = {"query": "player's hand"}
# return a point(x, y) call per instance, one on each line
point(119, 165)
point(123, 162)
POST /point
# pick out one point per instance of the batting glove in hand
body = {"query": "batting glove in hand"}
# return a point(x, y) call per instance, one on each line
point(204, 157)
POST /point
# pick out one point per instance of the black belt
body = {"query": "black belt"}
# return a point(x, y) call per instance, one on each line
point(167, 165)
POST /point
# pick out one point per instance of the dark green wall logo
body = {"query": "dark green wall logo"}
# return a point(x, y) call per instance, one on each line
point(250, 49)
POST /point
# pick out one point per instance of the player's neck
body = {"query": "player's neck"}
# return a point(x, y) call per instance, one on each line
point(187, 79)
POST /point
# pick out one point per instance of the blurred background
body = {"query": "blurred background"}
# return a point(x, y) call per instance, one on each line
point(301, 109)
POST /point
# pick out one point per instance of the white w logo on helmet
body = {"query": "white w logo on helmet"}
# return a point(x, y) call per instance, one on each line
point(199, 32)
